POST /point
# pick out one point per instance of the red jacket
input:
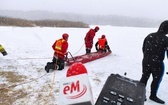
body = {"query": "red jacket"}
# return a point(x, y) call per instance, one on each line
point(60, 47)
point(89, 38)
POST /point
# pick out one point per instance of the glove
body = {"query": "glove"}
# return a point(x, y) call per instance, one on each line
point(66, 55)
point(89, 42)
point(92, 42)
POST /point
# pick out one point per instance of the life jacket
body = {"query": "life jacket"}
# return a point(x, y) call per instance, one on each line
point(101, 43)
point(58, 46)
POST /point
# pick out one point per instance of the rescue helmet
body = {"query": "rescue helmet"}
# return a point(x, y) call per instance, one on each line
point(103, 36)
point(97, 28)
point(65, 36)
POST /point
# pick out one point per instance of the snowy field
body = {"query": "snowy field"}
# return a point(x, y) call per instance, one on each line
point(29, 49)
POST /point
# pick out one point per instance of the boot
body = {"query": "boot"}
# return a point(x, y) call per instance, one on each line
point(47, 68)
point(88, 51)
point(61, 65)
point(156, 99)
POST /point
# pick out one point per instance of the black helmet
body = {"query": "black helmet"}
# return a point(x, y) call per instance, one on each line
point(163, 27)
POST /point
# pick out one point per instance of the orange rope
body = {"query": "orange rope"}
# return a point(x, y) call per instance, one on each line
point(53, 80)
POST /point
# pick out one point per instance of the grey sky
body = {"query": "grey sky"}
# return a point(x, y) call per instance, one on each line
point(136, 8)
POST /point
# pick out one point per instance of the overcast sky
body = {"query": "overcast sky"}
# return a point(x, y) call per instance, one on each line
point(136, 8)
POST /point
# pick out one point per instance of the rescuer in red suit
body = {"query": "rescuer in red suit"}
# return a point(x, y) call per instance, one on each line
point(60, 53)
point(89, 39)
point(102, 44)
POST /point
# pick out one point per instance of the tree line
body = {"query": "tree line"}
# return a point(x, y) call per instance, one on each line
point(7, 21)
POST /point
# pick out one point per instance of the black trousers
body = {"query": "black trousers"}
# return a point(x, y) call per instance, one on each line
point(157, 71)
point(59, 62)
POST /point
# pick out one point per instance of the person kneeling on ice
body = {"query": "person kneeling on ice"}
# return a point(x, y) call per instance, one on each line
point(102, 44)
point(60, 54)
point(3, 51)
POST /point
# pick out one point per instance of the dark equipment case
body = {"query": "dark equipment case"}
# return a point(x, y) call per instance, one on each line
point(120, 90)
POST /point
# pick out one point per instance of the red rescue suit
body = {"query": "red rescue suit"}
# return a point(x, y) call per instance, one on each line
point(60, 47)
point(89, 38)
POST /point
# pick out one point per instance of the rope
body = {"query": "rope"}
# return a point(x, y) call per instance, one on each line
point(27, 58)
point(32, 58)
point(75, 53)
point(72, 57)
point(45, 58)
point(79, 49)
point(52, 85)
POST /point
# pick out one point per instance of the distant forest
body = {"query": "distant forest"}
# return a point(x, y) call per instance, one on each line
point(53, 19)
point(6, 21)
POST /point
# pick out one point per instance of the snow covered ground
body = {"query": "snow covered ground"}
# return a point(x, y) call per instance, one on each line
point(29, 49)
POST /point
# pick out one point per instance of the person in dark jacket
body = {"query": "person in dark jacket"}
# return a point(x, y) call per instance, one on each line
point(154, 47)
point(89, 39)
point(102, 44)
point(60, 47)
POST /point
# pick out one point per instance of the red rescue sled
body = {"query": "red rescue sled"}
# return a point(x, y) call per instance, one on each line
point(87, 57)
